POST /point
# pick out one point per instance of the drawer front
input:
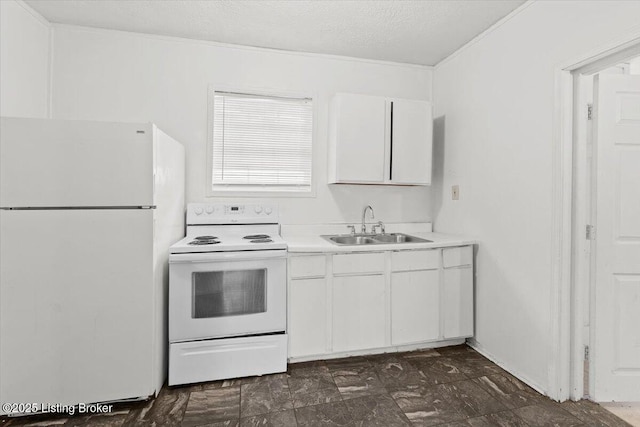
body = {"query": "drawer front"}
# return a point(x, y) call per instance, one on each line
point(210, 360)
point(307, 266)
point(358, 263)
point(415, 260)
point(456, 257)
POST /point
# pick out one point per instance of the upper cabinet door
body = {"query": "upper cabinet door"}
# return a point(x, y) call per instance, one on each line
point(377, 140)
point(411, 142)
point(359, 139)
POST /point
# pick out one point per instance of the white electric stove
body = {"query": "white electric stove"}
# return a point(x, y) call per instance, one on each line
point(227, 294)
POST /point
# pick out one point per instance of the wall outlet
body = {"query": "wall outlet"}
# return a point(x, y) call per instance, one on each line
point(455, 192)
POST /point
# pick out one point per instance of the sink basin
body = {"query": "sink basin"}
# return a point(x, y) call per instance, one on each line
point(398, 238)
point(374, 239)
point(352, 240)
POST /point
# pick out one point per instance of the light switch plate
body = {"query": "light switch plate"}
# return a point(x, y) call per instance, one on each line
point(455, 192)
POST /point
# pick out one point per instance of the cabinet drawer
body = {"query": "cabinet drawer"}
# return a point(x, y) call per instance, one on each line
point(307, 266)
point(194, 361)
point(358, 263)
point(415, 260)
point(455, 257)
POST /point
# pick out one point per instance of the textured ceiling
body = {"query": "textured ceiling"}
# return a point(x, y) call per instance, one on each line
point(418, 32)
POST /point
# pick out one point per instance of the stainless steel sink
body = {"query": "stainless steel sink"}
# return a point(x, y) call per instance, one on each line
point(351, 240)
point(398, 238)
point(373, 239)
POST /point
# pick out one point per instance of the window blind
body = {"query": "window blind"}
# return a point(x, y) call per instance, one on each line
point(261, 141)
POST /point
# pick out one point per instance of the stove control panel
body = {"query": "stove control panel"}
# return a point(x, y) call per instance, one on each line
point(230, 213)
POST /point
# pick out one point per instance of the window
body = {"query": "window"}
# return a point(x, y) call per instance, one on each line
point(261, 143)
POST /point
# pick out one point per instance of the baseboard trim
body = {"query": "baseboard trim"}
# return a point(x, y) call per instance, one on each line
point(367, 352)
point(516, 373)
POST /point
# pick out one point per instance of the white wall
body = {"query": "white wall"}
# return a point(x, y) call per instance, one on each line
point(110, 75)
point(24, 61)
point(634, 66)
point(494, 105)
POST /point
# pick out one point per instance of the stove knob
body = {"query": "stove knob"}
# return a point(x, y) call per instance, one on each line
point(258, 209)
point(209, 210)
point(198, 211)
point(268, 210)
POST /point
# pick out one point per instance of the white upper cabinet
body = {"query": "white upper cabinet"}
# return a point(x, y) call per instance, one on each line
point(377, 140)
point(360, 128)
point(410, 142)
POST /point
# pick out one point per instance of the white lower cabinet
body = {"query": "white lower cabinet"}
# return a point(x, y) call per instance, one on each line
point(307, 317)
point(458, 302)
point(415, 306)
point(358, 312)
point(354, 302)
point(457, 285)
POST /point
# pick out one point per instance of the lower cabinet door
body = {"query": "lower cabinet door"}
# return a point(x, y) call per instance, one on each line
point(458, 302)
point(308, 317)
point(358, 312)
point(415, 306)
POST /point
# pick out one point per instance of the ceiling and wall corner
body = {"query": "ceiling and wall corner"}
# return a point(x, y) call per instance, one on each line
point(25, 38)
point(416, 32)
point(494, 106)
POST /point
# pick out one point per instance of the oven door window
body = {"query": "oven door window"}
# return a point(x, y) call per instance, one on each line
point(229, 293)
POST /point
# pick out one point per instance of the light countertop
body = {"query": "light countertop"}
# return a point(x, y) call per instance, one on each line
point(311, 242)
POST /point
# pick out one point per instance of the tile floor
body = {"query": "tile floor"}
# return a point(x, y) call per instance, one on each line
point(628, 411)
point(452, 386)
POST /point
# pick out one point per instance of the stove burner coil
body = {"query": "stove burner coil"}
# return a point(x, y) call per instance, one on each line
point(261, 240)
point(205, 238)
point(257, 237)
point(202, 242)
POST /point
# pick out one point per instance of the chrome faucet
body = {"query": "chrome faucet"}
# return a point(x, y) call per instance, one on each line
point(364, 213)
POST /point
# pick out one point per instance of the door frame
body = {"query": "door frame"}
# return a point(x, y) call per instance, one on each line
point(569, 183)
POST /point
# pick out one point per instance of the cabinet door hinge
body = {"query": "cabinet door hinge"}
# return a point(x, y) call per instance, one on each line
point(590, 232)
point(589, 111)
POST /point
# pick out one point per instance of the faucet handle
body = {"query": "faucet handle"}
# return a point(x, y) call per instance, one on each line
point(353, 228)
point(378, 224)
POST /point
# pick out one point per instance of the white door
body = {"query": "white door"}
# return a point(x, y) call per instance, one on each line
point(411, 142)
point(616, 355)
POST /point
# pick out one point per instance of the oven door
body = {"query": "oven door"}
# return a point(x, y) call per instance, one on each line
point(224, 294)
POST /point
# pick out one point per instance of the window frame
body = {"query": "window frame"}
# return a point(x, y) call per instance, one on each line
point(233, 191)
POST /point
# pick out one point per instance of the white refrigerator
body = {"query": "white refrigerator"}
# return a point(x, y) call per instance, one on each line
point(88, 211)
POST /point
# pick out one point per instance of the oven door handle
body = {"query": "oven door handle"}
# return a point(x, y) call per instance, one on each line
point(226, 256)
